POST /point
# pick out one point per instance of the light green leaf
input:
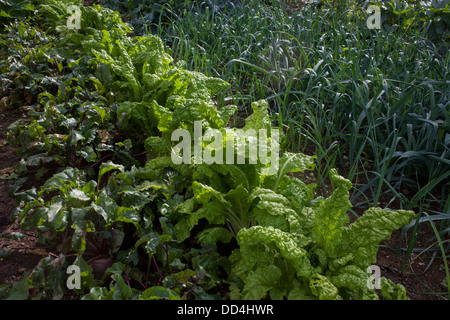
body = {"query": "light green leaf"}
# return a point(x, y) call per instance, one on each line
point(157, 144)
point(260, 118)
point(354, 280)
point(4, 14)
point(147, 116)
point(331, 215)
point(392, 291)
point(260, 281)
point(226, 112)
point(295, 162)
point(213, 211)
point(298, 193)
point(272, 209)
point(210, 172)
point(214, 85)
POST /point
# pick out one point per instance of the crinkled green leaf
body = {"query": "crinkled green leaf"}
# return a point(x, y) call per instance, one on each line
point(259, 119)
point(362, 237)
point(57, 217)
point(276, 241)
point(215, 85)
point(214, 179)
point(153, 57)
point(241, 175)
point(354, 280)
point(157, 144)
point(147, 116)
point(331, 215)
point(158, 293)
point(300, 294)
point(155, 168)
point(271, 209)
point(322, 288)
point(79, 195)
point(299, 195)
point(204, 193)
point(213, 211)
point(122, 66)
point(298, 192)
point(295, 162)
point(226, 112)
point(260, 281)
point(239, 203)
point(186, 206)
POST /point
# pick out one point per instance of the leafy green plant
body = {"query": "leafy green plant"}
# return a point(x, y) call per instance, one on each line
point(319, 255)
point(144, 15)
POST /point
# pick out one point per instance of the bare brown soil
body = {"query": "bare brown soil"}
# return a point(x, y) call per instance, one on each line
point(21, 255)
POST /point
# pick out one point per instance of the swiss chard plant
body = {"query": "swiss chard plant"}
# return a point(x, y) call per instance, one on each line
point(319, 255)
